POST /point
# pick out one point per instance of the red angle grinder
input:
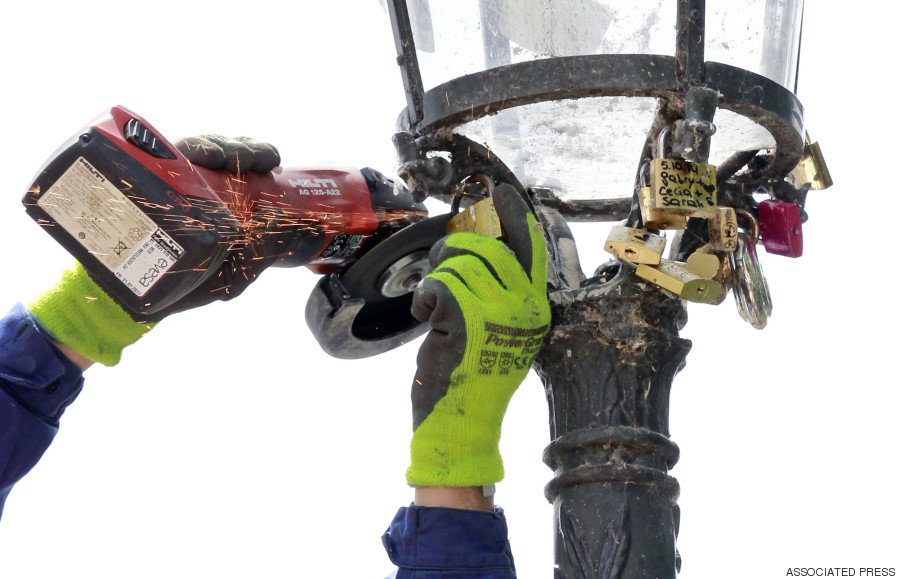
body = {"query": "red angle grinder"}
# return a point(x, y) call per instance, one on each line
point(149, 227)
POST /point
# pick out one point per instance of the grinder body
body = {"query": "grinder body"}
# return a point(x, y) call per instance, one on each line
point(149, 226)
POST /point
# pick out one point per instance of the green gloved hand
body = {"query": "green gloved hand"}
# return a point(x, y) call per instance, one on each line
point(82, 316)
point(487, 305)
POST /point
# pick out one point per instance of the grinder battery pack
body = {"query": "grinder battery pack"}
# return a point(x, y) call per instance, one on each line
point(149, 226)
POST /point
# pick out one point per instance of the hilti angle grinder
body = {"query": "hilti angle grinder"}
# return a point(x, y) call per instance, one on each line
point(128, 205)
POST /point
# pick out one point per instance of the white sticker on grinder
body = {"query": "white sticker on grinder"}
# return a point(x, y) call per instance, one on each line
point(110, 226)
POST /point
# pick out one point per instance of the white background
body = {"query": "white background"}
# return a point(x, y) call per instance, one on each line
point(226, 444)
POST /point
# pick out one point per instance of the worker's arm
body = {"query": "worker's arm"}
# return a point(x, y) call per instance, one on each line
point(45, 347)
point(37, 383)
point(487, 305)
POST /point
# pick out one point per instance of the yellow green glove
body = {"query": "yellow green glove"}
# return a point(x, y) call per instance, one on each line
point(79, 314)
point(487, 305)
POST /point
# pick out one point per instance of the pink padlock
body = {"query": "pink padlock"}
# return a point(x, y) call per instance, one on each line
point(781, 227)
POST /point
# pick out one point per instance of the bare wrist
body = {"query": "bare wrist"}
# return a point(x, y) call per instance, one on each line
point(76, 358)
point(469, 498)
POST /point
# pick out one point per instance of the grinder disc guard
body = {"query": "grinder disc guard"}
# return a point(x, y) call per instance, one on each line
point(364, 311)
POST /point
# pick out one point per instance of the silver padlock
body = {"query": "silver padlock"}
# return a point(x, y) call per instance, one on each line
point(751, 291)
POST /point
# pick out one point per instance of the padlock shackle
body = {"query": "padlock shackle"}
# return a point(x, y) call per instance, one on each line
point(661, 143)
point(484, 180)
point(644, 174)
point(754, 224)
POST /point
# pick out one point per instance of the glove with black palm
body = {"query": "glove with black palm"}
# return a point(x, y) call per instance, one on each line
point(487, 305)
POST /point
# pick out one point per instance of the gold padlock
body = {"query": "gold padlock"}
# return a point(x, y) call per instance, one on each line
point(704, 264)
point(478, 218)
point(723, 271)
point(635, 245)
point(684, 188)
point(680, 186)
point(812, 169)
point(658, 218)
point(712, 266)
point(681, 281)
point(723, 229)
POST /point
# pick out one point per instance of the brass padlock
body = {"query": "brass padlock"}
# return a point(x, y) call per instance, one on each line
point(722, 274)
point(751, 290)
point(681, 281)
point(812, 169)
point(478, 218)
point(658, 218)
point(684, 188)
point(704, 264)
point(635, 245)
point(723, 229)
point(710, 265)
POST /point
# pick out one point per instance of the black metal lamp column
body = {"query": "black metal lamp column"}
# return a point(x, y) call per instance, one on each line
point(607, 368)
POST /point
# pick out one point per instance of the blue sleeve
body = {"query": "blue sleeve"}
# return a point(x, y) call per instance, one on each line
point(439, 543)
point(37, 383)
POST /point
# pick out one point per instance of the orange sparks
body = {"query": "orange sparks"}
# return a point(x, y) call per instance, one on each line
point(154, 205)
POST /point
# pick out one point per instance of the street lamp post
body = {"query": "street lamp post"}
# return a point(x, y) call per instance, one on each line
point(570, 101)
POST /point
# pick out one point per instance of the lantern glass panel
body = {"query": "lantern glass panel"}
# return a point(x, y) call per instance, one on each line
point(454, 39)
point(457, 38)
point(762, 36)
point(588, 149)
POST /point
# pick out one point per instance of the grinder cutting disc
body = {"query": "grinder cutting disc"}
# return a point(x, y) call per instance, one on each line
point(386, 275)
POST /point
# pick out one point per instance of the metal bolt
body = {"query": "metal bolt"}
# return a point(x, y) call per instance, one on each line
point(410, 281)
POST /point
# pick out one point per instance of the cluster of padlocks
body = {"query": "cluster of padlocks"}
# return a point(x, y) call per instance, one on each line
point(679, 190)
